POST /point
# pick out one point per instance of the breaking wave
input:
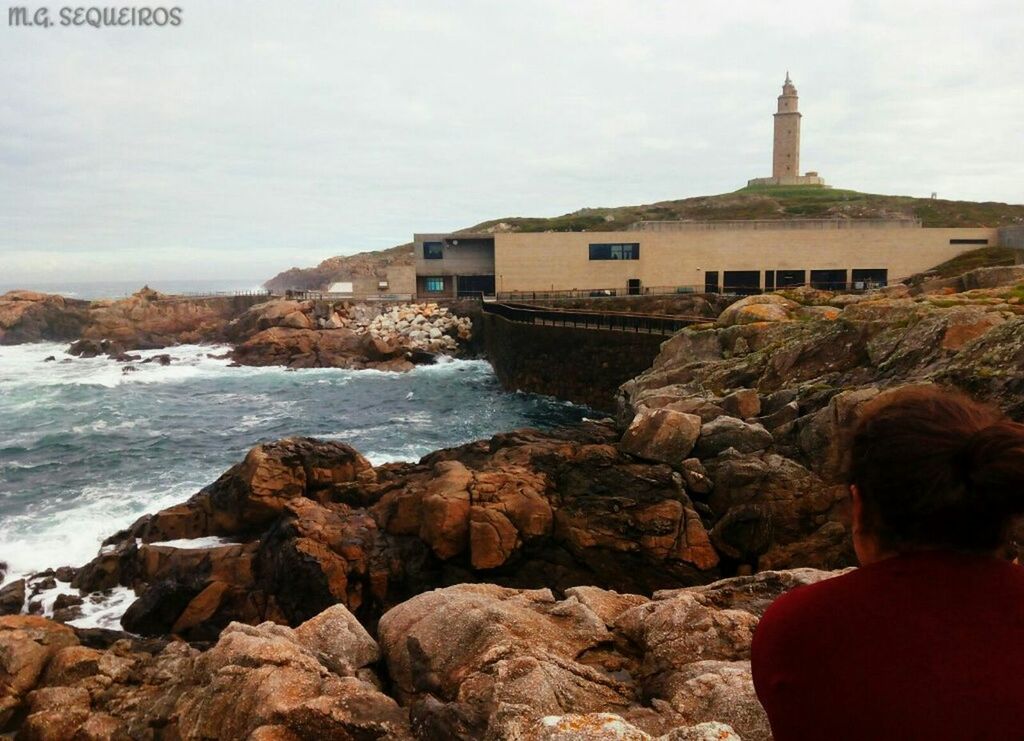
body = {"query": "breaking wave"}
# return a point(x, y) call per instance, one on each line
point(86, 448)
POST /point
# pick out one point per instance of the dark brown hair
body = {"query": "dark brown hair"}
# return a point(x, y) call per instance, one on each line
point(937, 469)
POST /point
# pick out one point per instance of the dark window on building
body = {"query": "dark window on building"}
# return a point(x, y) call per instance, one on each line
point(633, 286)
point(625, 251)
point(433, 250)
point(743, 282)
point(769, 280)
point(968, 241)
point(828, 280)
point(433, 285)
point(711, 281)
point(790, 278)
point(474, 285)
point(870, 278)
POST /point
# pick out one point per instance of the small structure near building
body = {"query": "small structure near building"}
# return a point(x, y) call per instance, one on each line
point(454, 265)
point(389, 282)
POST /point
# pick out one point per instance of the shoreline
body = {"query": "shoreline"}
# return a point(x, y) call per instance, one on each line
point(531, 564)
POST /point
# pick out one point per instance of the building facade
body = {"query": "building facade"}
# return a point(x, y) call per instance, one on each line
point(452, 265)
point(683, 256)
point(666, 257)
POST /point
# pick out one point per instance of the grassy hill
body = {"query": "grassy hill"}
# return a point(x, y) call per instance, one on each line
point(766, 202)
point(762, 202)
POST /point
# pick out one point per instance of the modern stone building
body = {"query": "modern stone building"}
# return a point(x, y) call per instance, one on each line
point(684, 256)
point(786, 144)
point(668, 257)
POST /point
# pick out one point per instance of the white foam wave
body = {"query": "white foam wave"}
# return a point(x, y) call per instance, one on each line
point(379, 459)
point(53, 532)
point(196, 544)
point(26, 365)
point(104, 609)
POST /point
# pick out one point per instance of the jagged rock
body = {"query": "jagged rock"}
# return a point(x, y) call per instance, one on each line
point(469, 661)
point(270, 675)
point(296, 320)
point(479, 661)
point(55, 713)
point(515, 651)
point(711, 731)
point(610, 727)
point(27, 643)
point(161, 359)
point(576, 727)
point(662, 435)
point(743, 404)
point(12, 597)
point(266, 681)
point(695, 476)
point(338, 641)
point(723, 433)
point(767, 308)
point(27, 316)
point(317, 525)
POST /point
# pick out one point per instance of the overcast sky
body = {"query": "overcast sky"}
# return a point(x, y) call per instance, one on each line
point(261, 135)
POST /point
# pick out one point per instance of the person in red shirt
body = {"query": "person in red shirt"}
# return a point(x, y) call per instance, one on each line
point(926, 639)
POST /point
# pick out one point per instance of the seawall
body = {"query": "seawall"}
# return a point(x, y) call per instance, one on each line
point(584, 366)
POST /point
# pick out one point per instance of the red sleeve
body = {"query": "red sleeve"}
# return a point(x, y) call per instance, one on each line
point(779, 666)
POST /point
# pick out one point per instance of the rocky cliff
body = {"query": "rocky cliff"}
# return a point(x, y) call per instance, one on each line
point(472, 661)
point(28, 316)
point(344, 267)
point(562, 585)
point(297, 334)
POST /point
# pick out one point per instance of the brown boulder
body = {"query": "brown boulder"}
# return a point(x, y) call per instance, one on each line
point(27, 644)
point(269, 675)
point(486, 647)
point(662, 435)
point(767, 308)
point(723, 433)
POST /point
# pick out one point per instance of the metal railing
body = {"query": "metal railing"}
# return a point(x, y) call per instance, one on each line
point(599, 293)
point(357, 297)
point(219, 294)
point(614, 321)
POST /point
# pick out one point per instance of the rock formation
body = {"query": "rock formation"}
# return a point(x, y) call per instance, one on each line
point(472, 661)
point(28, 316)
point(559, 585)
point(776, 379)
point(297, 334)
point(304, 334)
point(311, 524)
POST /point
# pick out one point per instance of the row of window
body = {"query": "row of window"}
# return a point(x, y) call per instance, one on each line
point(464, 285)
point(749, 281)
point(617, 251)
point(614, 251)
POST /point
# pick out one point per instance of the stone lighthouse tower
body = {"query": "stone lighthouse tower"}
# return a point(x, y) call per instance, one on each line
point(786, 152)
point(786, 145)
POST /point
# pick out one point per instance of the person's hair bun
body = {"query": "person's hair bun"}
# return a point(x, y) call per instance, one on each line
point(993, 467)
point(935, 468)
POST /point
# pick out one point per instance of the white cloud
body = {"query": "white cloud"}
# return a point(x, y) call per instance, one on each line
point(263, 135)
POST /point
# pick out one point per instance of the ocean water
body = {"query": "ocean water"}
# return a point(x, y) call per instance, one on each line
point(89, 291)
point(85, 448)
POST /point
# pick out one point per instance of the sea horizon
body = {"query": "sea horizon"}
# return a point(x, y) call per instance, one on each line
point(113, 289)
